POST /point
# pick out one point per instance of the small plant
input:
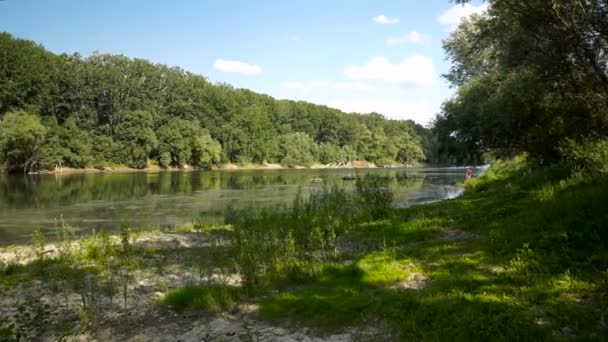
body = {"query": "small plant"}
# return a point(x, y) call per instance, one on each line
point(88, 291)
point(125, 240)
point(65, 237)
point(525, 262)
point(124, 279)
point(374, 196)
point(38, 243)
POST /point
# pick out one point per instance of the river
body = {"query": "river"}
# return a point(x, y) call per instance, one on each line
point(163, 199)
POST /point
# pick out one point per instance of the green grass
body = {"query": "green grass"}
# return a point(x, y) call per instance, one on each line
point(216, 298)
point(528, 261)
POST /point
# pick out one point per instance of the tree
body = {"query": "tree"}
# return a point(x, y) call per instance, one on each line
point(297, 149)
point(185, 142)
point(26, 74)
point(206, 151)
point(66, 144)
point(176, 138)
point(330, 153)
point(137, 139)
point(410, 153)
point(531, 74)
point(21, 140)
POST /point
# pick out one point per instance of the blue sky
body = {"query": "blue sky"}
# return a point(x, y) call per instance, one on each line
point(356, 55)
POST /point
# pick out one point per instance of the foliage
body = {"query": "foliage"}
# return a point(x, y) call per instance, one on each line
point(183, 142)
point(21, 140)
point(590, 155)
point(135, 133)
point(206, 151)
point(109, 109)
point(530, 75)
point(66, 144)
point(375, 196)
point(297, 149)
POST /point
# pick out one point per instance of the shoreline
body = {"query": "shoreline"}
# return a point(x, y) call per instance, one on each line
point(224, 167)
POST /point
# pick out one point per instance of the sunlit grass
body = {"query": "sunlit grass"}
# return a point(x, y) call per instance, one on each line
point(215, 298)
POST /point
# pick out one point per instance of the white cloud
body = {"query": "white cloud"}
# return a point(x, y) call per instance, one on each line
point(415, 69)
point(341, 85)
point(420, 111)
point(384, 20)
point(411, 37)
point(236, 66)
point(454, 15)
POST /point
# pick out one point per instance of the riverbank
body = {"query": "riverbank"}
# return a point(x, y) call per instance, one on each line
point(359, 164)
point(520, 256)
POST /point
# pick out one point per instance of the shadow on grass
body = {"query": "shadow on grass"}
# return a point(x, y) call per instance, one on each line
point(538, 271)
point(341, 298)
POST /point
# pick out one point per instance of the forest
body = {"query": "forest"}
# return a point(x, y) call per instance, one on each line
point(104, 110)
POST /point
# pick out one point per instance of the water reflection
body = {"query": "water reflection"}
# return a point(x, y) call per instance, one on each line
point(90, 201)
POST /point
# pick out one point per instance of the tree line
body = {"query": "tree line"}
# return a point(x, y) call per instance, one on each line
point(68, 110)
point(531, 76)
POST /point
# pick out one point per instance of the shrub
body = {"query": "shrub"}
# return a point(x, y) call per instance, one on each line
point(590, 155)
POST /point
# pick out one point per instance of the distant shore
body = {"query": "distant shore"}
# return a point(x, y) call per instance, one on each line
point(359, 164)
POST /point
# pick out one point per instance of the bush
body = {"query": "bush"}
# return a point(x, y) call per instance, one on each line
point(590, 155)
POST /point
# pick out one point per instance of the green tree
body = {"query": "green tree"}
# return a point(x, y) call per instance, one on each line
point(26, 74)
point(21, 140)
point(175, 141)
point(136, 137)
point(531, 74)
point(185, 142)
point(206, 151)
point(297, 149)
point(66, 144)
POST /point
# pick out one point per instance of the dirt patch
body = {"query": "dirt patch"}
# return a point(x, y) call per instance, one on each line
point(415, 281)
point(362, 164)
point(229, 328)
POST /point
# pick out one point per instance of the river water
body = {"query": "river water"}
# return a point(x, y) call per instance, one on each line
point(146, 200)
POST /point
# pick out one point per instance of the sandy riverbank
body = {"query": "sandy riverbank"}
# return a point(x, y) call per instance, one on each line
point(359, 164)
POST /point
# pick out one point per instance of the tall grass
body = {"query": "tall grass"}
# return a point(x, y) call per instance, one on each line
point(297, 241)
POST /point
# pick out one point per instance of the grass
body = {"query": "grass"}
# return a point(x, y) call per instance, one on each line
point(522, 255)
point(215, 298)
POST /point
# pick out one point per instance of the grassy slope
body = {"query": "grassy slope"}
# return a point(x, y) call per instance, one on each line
point(521, 256)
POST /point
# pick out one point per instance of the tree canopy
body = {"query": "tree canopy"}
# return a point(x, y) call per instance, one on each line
point(110, 109)
point(531, 74)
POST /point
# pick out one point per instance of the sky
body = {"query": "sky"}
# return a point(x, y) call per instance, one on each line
point(356, 55)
